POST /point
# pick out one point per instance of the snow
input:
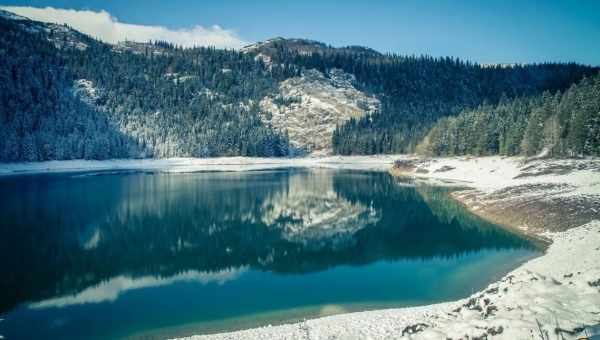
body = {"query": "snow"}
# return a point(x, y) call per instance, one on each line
point(489, 174)
point(183, 165)
point(84, 89)
point(178, 78)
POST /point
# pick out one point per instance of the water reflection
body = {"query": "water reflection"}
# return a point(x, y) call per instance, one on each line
point(72, 240)
point(111, 289)
point(310, 212)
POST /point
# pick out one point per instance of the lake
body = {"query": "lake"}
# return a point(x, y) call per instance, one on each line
point(142, 255)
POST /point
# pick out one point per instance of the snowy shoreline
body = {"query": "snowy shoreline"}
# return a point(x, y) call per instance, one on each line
point(551, 290)
point(557, 294)
point(187, 165)
point(558, 290)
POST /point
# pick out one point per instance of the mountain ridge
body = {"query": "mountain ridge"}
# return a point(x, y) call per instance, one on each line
point(155, 99)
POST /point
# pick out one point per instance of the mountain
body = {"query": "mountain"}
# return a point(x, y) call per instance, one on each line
point(305, 47)
point(65, 95)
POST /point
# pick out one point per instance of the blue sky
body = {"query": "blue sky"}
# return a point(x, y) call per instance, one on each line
point(485, 31)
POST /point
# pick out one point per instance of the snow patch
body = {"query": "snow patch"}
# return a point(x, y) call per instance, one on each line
point(490, 174)
point(84, 89)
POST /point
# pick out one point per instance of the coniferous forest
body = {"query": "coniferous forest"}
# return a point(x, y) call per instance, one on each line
point(417, 91)
point(156, 100)
point(64, 95)
point(556, 124)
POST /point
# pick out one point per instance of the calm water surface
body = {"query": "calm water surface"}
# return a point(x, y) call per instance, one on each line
point(154, 255)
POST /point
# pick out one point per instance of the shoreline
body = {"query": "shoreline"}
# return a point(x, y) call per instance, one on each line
point(509, 308)
point(539, 239)
point(191, 165)
point(555, 293)
point(554, 201)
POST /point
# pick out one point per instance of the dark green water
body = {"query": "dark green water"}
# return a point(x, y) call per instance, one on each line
point(153, 255)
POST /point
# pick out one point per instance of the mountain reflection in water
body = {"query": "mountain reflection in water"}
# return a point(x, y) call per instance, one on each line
point(74, 240)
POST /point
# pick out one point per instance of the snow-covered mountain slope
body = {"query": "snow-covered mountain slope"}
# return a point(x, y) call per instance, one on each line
point(268, 49)
point(309, 108)
point(61, 36)
point(303, 47)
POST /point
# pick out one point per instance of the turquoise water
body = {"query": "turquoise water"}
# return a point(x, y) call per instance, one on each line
point(100, 256)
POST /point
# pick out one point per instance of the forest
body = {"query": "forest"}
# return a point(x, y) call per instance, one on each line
point(560, 124)
point(416, 91)
point(147, 100)
point(65, 95)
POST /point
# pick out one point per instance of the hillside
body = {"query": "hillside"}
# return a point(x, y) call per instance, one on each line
point(96, 101)
point(561, 125)
point(65, 95)
point(414, 91)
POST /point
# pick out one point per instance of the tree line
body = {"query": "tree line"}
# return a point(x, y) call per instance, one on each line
point(161, 100)
point(416, 91)
point(563, 124)
point(149, 100)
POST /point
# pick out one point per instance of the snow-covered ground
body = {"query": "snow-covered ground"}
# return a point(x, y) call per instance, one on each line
point(489, 174)
point(182, 165)
point(540, 194)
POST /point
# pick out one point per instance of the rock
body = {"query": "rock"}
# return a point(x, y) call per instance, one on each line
point(495, 330)
point(413, 329)
point(445, 168)
point(310, 107)
point(404, 165)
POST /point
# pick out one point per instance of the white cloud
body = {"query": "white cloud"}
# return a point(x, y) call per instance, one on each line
point(107, 28)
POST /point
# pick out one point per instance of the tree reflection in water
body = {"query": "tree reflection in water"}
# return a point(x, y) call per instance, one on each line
point(97, 236)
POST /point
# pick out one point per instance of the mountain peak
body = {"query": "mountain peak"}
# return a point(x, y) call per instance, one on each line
point(11, 16)
point(271, 46)
point(292, 44)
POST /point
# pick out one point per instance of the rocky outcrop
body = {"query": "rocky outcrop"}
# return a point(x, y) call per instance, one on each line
point(310, 107)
